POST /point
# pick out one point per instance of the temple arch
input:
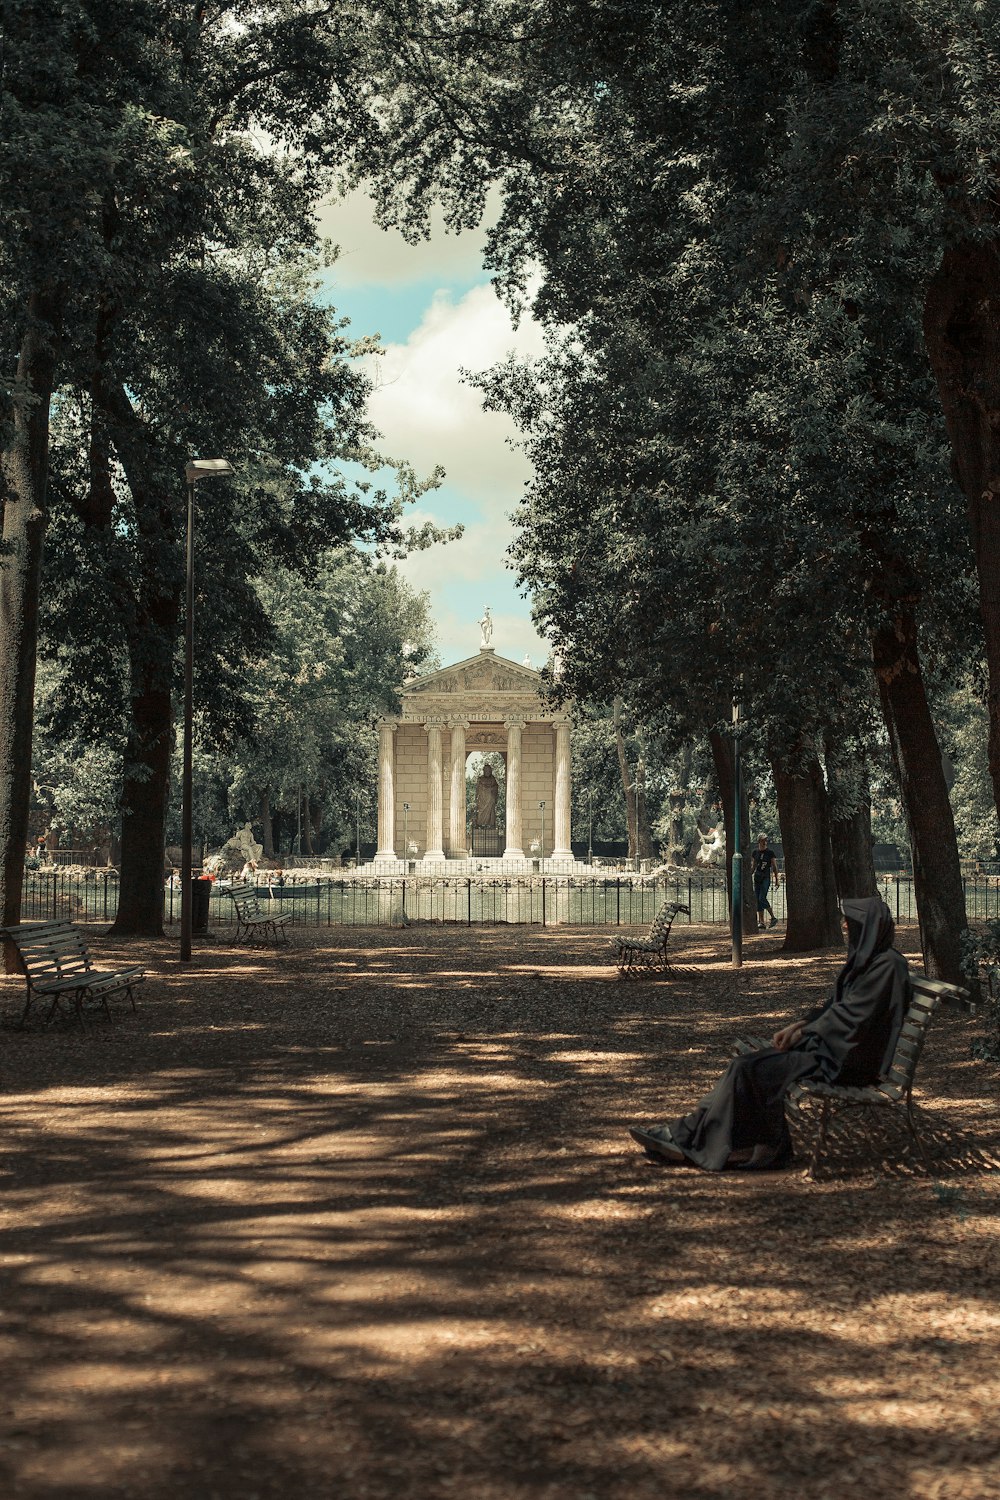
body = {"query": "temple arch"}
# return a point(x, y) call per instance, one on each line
point(489, 703)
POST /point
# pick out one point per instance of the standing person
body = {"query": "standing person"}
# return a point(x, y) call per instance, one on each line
point(850, 1040)
point(763, 864)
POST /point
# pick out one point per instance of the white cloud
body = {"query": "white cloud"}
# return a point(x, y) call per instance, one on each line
point(427, 413)
point(370, 255)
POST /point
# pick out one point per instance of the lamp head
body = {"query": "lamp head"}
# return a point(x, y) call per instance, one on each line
point(207, 468)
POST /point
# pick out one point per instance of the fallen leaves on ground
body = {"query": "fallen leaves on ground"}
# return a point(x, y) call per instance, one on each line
point(360, 1219)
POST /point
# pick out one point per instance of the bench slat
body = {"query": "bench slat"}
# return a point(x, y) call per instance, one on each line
point(57, 963)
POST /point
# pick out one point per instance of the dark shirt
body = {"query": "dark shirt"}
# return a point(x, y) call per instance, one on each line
point(760, 862)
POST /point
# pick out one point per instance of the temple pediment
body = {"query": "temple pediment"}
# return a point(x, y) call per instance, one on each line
point(483, 673)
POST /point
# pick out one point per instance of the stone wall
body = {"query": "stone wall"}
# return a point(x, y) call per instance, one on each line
point(537, 783)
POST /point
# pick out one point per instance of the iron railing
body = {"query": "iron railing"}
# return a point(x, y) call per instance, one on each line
point(618, 900)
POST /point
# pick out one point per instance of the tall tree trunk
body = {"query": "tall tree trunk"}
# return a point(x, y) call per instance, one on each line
point(643, 832)
point(850, 823)
point(722, 756)
point(307, 843)
point(316, 820)
point(937, 877)
point(267, 829)
point(153, 645)
point(962, 333)
point(813, 920)
point(25, 461)
point(628, 785)
point(144, 816)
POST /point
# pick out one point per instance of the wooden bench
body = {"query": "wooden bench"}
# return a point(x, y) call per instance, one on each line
point(58, 969)
point(254, 925)
point(894, 1090)
point(637, 956)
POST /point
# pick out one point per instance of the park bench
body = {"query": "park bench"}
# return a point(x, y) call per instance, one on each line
point(636, 956)
point(892, 1092)
point(253, 924)
point(58, 968)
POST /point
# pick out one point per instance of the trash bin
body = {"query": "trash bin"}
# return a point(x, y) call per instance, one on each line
point(201, 890)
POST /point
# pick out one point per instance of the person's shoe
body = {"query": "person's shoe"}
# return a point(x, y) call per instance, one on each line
point(658, 1143)
point(760, 927)
point(773, 922)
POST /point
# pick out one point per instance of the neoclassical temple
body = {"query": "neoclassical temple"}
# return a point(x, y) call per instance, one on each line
point(483, 703)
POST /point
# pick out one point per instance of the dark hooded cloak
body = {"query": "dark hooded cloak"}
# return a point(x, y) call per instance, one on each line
point(856, 1031)
point(850, 1039)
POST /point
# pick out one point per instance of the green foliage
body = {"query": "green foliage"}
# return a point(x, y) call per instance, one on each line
point(157, 209)
point(727, 221)
point(76, 781)
point(342, 643)
point(981, 965)
point(965, 727)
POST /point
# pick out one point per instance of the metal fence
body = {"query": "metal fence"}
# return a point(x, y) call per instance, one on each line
point(618, 900)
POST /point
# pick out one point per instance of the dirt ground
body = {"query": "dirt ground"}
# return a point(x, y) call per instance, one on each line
point(360, 1220)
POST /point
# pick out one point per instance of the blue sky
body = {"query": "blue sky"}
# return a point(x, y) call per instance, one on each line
point(437, 313)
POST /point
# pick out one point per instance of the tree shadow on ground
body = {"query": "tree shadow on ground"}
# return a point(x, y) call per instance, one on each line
point(361, 1220)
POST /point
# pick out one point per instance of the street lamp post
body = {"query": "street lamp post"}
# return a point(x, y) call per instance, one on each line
point(590, 825)
point(541, 809)
point(194, 472)
point(406, 839)
point(737, 883)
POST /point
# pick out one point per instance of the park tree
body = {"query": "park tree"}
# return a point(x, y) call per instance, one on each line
point(674, 173)
point(343, 641)
point(63, 125)
point(157, 274)
point(76, 780)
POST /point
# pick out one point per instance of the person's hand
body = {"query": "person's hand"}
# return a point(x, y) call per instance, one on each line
point(786, 1038)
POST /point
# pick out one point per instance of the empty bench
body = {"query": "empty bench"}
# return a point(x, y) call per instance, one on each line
point(894, 1091)
point(59, 970)
point(636, 956)
point(253, 924)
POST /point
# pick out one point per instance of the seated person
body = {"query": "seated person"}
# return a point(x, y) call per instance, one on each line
point(850, 1040)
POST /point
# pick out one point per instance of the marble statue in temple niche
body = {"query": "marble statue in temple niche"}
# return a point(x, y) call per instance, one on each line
point(487, 791)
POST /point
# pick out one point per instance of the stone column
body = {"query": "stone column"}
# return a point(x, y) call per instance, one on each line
point(456, 824)
point(562, 816)
point(435, 823)
point(514, 835)
point(386, 791)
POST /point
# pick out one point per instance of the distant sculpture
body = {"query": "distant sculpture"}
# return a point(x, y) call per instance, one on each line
point(486, 628)
point(487, 791)
point(527, 660)
point(242, 849)
point(713, 846)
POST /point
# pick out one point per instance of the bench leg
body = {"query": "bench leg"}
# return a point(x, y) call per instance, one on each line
point(820, 1141)
point(911, 1125)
